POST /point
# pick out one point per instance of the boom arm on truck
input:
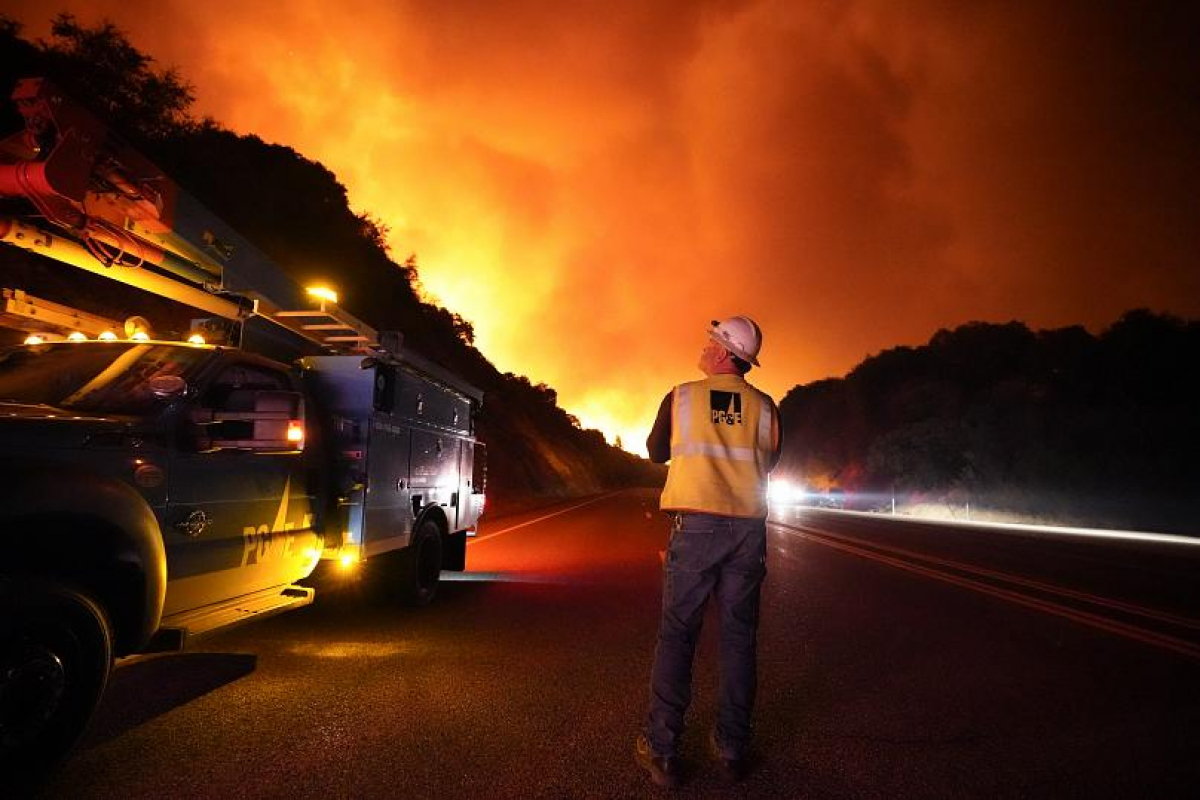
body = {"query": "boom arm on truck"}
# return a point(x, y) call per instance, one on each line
point(109, 210)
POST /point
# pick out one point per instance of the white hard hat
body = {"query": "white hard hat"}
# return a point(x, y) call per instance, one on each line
point(740, 336)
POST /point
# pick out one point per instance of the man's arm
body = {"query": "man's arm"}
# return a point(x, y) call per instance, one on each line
point(774, 460)
point(658, 443)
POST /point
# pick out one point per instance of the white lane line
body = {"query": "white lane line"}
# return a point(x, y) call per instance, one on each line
point(490, 536)
point(1022, 527)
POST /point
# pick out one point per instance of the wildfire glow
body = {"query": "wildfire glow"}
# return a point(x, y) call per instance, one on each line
point(589, 189)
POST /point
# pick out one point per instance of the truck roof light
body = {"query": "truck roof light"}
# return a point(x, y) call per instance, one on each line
point(107, 336)
point(77, 336)
point(323, 293)
point(135, 325)
point(34, 338)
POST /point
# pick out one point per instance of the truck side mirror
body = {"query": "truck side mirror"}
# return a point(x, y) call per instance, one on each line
point(263, 420)
point(479, 469)
point(384, 393)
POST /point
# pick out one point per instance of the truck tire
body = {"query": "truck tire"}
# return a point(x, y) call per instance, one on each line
point(56, 652)
point(421, 565)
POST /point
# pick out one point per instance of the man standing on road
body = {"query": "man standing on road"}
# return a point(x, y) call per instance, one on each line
point(722, 437)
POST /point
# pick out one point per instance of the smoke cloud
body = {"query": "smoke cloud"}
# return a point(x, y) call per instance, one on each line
point(590, 183)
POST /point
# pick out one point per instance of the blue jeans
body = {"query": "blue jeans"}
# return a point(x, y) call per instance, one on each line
point(708, 555)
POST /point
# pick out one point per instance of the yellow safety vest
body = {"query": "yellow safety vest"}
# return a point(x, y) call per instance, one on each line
point(722, 439)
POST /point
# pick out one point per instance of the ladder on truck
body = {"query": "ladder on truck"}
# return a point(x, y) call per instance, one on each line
point(102, 207)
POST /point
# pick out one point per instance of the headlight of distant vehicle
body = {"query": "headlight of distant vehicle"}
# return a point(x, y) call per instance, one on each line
point(784, 492)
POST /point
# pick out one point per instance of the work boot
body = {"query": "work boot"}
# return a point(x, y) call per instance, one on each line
point(664, 770)
point(732, 769)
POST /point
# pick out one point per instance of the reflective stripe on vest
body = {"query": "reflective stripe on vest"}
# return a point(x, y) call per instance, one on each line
point(714, 450)
point(764, 425)
point(721, 440)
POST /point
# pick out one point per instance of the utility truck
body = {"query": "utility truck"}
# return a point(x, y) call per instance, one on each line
point(153, 490)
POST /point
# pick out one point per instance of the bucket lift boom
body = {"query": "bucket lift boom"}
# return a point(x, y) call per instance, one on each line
point(101, 206)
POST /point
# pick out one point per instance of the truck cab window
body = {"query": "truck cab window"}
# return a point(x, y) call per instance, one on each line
point(234, 388)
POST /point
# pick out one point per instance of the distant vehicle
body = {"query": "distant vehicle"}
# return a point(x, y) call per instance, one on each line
point(830, 498)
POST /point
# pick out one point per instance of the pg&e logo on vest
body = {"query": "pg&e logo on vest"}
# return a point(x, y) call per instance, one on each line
point(726, 407)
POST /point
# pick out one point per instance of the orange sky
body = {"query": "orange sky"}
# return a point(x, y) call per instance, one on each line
point(591, 182)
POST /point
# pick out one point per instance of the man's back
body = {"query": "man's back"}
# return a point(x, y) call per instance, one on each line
point(723, 439)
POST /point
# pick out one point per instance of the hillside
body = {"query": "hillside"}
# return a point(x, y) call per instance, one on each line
point(295, 210)
point(1059, 424)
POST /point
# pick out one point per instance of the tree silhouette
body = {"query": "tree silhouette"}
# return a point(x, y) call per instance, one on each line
point(1094, 428)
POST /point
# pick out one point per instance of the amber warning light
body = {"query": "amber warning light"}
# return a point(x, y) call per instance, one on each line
point(295, 431)
point(322, 293)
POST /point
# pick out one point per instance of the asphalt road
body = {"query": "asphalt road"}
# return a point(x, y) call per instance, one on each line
point(896, 660)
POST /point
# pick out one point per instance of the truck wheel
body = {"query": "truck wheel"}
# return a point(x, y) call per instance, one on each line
point(55, 657)
point(421, 565)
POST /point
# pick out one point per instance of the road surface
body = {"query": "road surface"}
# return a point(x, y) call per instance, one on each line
point(896, 660)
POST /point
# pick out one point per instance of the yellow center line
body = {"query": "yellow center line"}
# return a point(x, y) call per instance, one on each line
point(1087, 618)
point(1075, 594)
